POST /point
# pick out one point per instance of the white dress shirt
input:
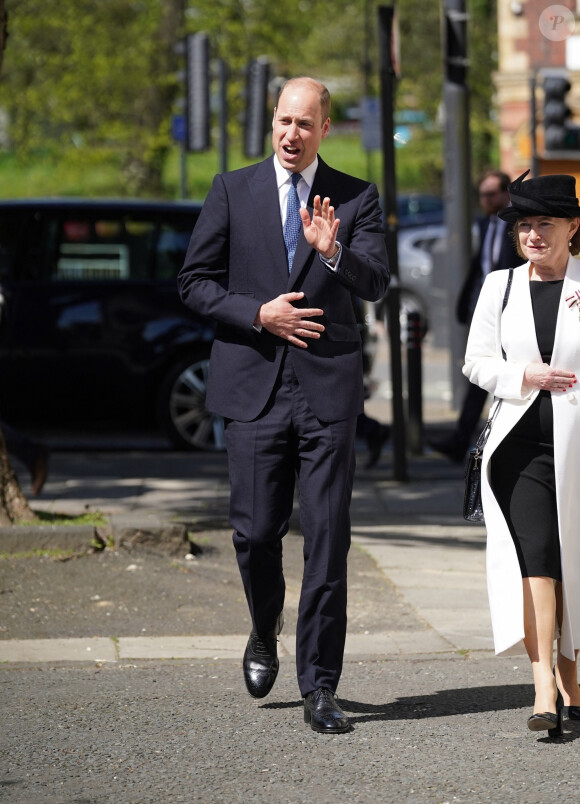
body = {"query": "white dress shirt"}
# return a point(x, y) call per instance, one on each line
point(284, 182)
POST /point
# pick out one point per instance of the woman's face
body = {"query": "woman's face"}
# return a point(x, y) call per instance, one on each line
point(544, 241)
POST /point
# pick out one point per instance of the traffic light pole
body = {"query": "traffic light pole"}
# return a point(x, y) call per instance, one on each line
point(388, 78)
point(457, 175)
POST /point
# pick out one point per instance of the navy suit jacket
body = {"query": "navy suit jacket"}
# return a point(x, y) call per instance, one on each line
point(508, 257)
point(237, 261)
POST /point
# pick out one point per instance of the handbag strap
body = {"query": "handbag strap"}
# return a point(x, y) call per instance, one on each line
point(506, 296)
point(480, 444)
point(508, 287)
point(484, 435)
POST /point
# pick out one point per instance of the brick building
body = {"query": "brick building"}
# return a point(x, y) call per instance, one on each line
point(534, 35)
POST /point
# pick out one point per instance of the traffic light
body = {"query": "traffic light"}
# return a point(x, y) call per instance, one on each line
point(197, 103)
point(559, 133)
point(256, 118)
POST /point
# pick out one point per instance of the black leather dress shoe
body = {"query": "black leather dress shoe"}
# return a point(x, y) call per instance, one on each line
point(261, 661)
point(574, 712)
point(322, 712)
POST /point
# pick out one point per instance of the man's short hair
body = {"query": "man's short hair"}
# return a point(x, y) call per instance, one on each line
point(323, 93)
point(504, 179)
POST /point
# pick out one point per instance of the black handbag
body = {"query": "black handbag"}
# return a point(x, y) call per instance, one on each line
point(472, 507)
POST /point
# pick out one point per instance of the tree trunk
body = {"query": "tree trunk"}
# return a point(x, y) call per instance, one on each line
point(143, 170)
point(13, 504)
point(3, 30)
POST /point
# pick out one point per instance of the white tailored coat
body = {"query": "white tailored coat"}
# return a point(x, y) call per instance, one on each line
point(485, 366)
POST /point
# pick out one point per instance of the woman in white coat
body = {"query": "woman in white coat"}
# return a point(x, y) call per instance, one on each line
point(528, 357)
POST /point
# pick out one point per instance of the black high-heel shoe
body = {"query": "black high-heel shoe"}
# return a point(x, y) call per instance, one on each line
point(548, 720)
point(573, 711)
point(557, 730)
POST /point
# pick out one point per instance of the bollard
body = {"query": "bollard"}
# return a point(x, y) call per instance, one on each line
point(415, 332)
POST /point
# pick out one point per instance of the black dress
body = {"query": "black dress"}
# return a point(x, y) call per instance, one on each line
point(522, 467)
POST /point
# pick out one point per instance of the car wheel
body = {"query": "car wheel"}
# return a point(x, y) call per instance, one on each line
point(182, 409)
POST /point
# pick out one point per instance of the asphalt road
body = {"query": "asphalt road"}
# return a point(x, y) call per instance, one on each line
point(431, 729)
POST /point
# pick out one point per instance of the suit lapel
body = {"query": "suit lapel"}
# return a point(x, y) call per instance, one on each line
point(266, 205)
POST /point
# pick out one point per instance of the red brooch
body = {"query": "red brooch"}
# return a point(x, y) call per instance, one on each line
point(574, 301)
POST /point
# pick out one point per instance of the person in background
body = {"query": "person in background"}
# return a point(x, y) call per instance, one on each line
point(496, 250)
point(531, 461)
point(375, 434)
point(280, 250)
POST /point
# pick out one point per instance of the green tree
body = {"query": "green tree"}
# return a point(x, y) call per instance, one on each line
point(13, 504)
point(98, 80)
point(482, 63)
point(422, 82)
point(3, 30)
point(100, 77)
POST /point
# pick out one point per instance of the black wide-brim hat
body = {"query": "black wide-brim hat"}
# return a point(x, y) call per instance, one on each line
point(553, 196)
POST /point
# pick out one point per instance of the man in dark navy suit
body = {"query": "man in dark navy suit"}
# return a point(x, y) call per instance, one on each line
point(279, 252)
point(496, 251)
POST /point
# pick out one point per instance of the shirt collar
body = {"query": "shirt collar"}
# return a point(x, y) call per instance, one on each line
point(283, 176)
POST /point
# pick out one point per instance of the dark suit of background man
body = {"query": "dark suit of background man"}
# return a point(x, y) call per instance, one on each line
point(496, 250)
point(286, 373)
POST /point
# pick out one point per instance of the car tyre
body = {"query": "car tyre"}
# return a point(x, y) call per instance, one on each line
point(182, 411)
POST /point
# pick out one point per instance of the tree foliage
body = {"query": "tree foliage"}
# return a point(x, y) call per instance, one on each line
point(97, 79)
point(483, 61)
point(3, 31)
point(100, 76)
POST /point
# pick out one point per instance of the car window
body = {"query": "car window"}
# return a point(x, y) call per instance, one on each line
point(103, 248)
point(429, 204)
point(172, 244)
point(93, 245)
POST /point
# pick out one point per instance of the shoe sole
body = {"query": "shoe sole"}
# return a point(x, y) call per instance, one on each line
point(336, 730)
point(541, 724)
point(330, 731)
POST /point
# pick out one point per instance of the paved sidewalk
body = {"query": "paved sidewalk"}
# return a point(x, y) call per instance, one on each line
point(413, 531)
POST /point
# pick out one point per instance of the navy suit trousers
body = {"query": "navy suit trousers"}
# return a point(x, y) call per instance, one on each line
point(266, 456)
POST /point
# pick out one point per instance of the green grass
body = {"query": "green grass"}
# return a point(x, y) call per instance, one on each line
point(90, 174)
point(47, 552)
point(94, 518)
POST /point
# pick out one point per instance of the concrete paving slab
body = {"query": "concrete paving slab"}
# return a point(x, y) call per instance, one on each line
point(440, 571)
point(95, 649)
point(448, 599)
point(209, 647)
point(389, 645)
point(27, 538)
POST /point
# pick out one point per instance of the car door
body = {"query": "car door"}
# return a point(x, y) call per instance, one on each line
point(88, 317)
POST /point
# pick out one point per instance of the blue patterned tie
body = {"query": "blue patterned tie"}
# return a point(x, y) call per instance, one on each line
point(293, 220)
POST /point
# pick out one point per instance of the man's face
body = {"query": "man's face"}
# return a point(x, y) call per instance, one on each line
point(297, 127)
point(491, 197)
